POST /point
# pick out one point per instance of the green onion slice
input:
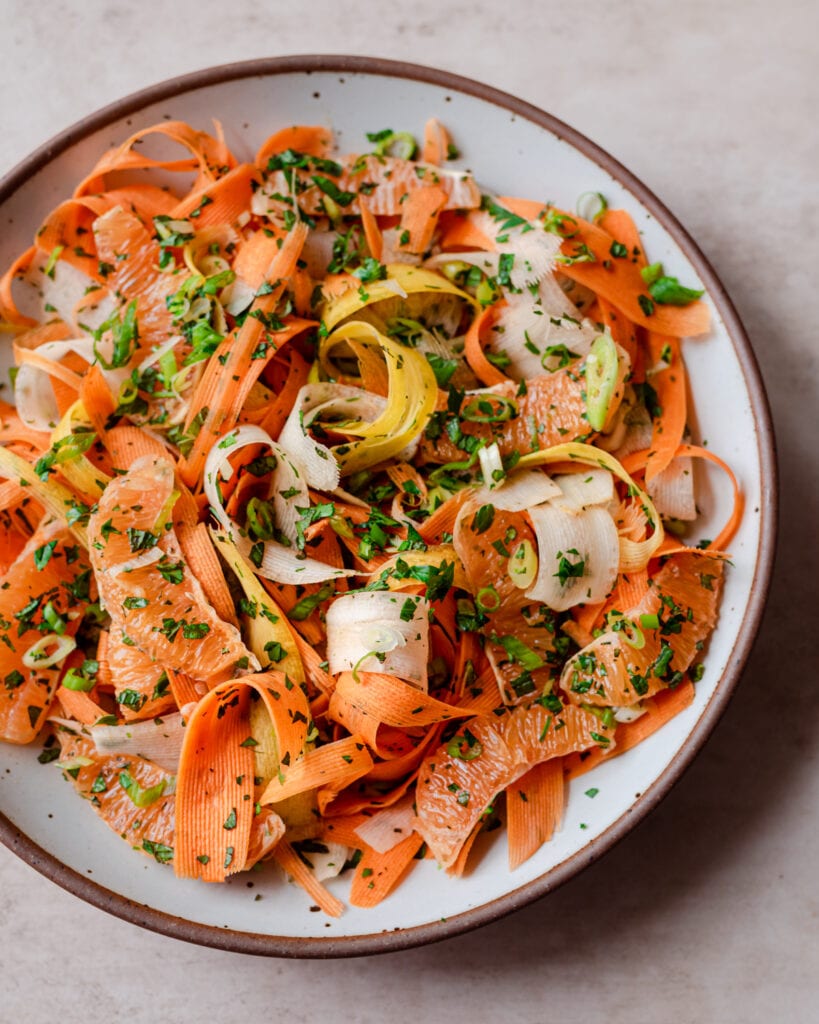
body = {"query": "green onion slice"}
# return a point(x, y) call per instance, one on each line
point(522, 565)
point(489, 409)
point(602, 369)
point(632, 633)
point(465, 748)
point(488, 599)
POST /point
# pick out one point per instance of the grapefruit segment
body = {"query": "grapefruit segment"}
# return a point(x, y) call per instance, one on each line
point(682, 599)
point(155, 602)
point(453, 793)
point(42, 594)
point(132, 796)
point(520, 632)
point(552, 410)
point(141, 685)
point(136, 799)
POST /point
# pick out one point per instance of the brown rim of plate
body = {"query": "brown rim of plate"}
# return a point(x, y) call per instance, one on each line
point(388, 941)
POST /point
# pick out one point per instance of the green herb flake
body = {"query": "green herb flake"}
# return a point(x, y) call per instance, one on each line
point(567, 569)
point(667, 291)
point(141, 540)
point(124, 337)
point(370, 270)
point(43, 554)
point(483, 518)
point(646, 305)
point(99, 785)
point(307, 605)
point(131, 699)
point(408, 609)
point(275, 652)
point(159, 851)
point(172, 572)
point(195, 630)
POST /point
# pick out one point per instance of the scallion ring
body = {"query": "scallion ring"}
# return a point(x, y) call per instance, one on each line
point(522, 565)
point(75, 680)
point(455, 271)
point(464, 747)
point(632, 633)
point(260, 520)
point(400, 145)
point(591, 206)
point(488, 599)
point(38, 656)
point(489, 409)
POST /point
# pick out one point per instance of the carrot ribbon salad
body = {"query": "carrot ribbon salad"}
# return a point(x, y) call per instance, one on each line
point(345, 506)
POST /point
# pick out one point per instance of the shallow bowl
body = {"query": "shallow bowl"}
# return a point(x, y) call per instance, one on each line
point(514, 149)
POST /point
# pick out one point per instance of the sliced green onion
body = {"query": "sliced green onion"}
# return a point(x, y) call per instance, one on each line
point(454, 270)
point(606, 715)
point(260, 519)
point(332, 209)
point(480, 409)
point(341, 526)
point(37, 655)
point(402, 145)
point(602, 369)
point(650, 621)
point(168, 368)
point(632, 633)
point(522, 565)
point(591, 206)
point(486, 293)
point(74, 764)
point(652, 273)
point(464, 747)
point(51, 263)
point(555, 223)
point(72, 446)
point(555, 357)
point(491, 465)
point(53, 618)
point(582, 254)
point(488, 599)
point(398, 144)
point(139, 796)
point(75, 680)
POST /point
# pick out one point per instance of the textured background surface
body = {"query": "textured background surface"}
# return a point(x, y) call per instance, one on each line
point(709, 911)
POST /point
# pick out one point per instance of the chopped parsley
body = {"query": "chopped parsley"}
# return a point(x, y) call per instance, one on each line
point(141, 540)
point(566, 569)
point(483, 518)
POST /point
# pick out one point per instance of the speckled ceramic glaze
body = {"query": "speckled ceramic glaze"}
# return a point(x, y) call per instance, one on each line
point(513, 149)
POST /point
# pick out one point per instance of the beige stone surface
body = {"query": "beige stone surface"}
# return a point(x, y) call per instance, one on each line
point(709, 911)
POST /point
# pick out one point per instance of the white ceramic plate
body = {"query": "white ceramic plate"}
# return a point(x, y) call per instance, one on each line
point(517, 150)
